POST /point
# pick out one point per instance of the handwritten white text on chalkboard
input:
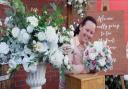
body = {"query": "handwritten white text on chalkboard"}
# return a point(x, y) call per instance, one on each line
point(108, 26)
point(102, 18)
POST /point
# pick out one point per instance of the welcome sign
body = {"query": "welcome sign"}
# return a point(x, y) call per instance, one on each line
point(110, 27)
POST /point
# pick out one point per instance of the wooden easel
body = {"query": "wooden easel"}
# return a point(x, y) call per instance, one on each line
point(105, 7)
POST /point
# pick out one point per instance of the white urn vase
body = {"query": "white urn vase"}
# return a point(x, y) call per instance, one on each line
point(36, 79)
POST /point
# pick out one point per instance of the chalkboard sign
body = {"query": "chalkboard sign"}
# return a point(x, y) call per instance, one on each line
point(110, 28)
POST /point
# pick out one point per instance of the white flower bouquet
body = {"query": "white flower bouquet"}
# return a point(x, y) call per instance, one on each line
point(79, 6)
point(97, 57)
point(31, 38)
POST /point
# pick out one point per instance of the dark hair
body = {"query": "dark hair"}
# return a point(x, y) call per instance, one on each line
point(90, 18)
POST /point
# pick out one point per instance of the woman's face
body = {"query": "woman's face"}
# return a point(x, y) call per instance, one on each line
point(86, 32)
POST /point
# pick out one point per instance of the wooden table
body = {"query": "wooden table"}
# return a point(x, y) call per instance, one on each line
point(85, 81)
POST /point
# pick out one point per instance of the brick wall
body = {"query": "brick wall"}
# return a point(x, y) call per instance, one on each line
point(18, 81)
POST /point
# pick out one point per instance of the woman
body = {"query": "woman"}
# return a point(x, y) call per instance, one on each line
point(82, 36)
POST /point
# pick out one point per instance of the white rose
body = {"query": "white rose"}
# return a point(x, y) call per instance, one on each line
point(4, 48)
point(33, 20)
point(41, 36)
point(15, 32)
point(30, 29)
point(41, 47)
point(92, 56)
point(51, 35)
point(102, 62)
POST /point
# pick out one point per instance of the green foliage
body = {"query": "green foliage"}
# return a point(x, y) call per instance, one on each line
point(113, 82)
point(126, 84)
point(17, 5)
point(13, 71)
point(19, 19)
point(53, 18)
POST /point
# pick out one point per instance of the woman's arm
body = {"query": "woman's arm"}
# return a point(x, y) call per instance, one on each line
point(76, 68)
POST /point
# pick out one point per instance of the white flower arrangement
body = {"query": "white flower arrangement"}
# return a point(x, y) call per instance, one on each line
point(79, 6)
point(31, 39)
point(97, 57)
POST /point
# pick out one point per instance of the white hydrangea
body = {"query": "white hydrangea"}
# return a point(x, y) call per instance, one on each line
point(33, 21)
point(12, 64)
point(15, 32)
point(30, 29)
point(41, 36)
point(51, 35)
point(53, 46)
point(4, 48)
point(27, 50)
point(24, 36)
point(56, 58)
